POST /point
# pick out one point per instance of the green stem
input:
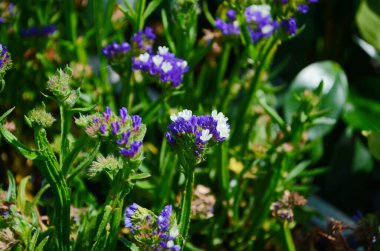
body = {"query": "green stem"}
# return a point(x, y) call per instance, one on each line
point(49, 167)
point(126, 98)
point(65, 126)
point(184, 220)
point(287, 237)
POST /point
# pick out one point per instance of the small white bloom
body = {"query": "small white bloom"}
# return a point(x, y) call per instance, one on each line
point(182, 64)
point(144, 57)
point(166, 67)
point(157, 60)
point(173, 233)
point(219, 117)
point(170, 244)
point(185, 114)
point(206, 136)
point(267, 29)
point(223, 130)
point(162, 50)
point(173, 117)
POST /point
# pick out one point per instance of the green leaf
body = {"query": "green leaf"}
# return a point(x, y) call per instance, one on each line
point(21, 196)
point(129, 244)
point(5, 115)
point(368, 22)
point(82, 109)
point(152, 6)
point(362, 113)
point(11, 193)
point(23, 149)
point(295, 172)
point(374, 144)
point(42, 244)
point(362, 161)
point(139, 176)
point(334, 93)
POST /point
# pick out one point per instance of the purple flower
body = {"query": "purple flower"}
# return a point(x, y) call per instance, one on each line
point(303, 8)
point(290, 26)
point(144, 39)
point(163, 220)
point(313, 1)
point(115, 127)
point(123, 114)
point(260, 22)
point(107, 114)
point(164, 65)
point(45, 31)
point(103, 128)
point(136, 122)
point(128, 216)
point(124, 138)
point(114, 50)
point(133, 149)
point(227, 28)
point(4, 57)
point(231, 15)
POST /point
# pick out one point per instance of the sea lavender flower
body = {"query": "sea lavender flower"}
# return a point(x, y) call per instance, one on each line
point(231, 27)
point(114, 50)
point(7, 11)
point(144, 40)
point(163, 65)
point(260, 22)
point(5, 60)
point(44, 31)
point(125, 132)
point(150, 231)
point(290, 25)
point(303, 8)
point(196, 132)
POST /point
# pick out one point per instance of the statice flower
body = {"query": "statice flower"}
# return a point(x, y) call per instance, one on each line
point(260, 22)
point(144, 40)
point(191, 135)
point(163, 65)
point(283, 209)
point(114, 50)
point(231, 27)
point(303, 8)
point(7, 11)
point(44, 31)
point(290, 25)
point(5, 59)
point(150, 231)
point(124, 131)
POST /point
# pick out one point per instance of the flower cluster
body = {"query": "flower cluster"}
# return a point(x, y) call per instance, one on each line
point(44, 31)
point(228, 28)
point(7, 10)
point(260, 22)
point(164, 65)
point(196, 132)
point(126, 132)
point(151, 231)
point(115, 50)
point(283, 209)
point(5, 61)
point(144, 40)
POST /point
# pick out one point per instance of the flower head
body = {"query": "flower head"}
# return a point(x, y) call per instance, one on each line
point(196, 132)
point(144, 40)
point(5, 59)
point(44, 31)
point(230, 27)
point(115, 50)
point(163, 65)
point(260, 22)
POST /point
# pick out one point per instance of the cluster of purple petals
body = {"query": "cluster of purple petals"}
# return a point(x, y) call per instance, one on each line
point(260, 22)
point(194, 126)
point(109, 124)
point(4, 56)
point(228, 28)
point(6, 11)
point(145, 39)
point(290, 25)
point(159, 233)
point(112, 50)
point(44, 31)
point(164, 65)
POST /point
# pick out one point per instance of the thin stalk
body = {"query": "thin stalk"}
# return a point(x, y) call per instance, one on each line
point(287, 237)
point(184, 219)
point(222, 68)
point(126, 90)
point(65, 126)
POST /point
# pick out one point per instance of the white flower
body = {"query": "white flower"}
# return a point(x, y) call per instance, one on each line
point(219, 117)
point(185, 114)
point(206, 136)
point(173, 233)
point(267, 29)
point(162, 50)
point(250, 11)
point(223, 130)
point(157, 60)
point(170, 244)
point(182, 64)
point(166, 67)
point(144, 57)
